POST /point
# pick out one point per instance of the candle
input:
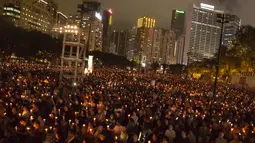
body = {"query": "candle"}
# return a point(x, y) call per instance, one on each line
point(28, 128)
point(50, 127)
point(116, 138)
point(128, 115)
point(83, 125)
point(70, 121)
point(151, 118)
point(44, 120)
point(46, 130)
point(16, 128)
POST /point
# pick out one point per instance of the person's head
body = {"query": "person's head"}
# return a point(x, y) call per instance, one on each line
point(71, 133)
point(170, 127)
point(158, 122)
point(102, 137)
point(25, 108)
point(36, 125)
point(14, 110)
point(135, 138)
point(235, 137)
point(154, 137)
point(221, 135)
point(183, 134)
point(23, 123)
point(165, 140)
point(2, 110)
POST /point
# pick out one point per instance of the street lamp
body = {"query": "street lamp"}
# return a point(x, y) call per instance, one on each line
point(221, 18)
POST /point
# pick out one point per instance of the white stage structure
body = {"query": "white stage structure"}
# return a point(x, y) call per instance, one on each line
point(73, 56)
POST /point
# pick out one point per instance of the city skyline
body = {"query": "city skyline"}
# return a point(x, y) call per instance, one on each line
point(125, 13)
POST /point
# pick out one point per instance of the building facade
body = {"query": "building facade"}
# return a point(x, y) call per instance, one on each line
point(61, 19)
point(205, 33)
point(179, 52)
point(167, 47)
point(178, 22)
point(11, 10)
point(119, 42)
point(38, 15)
point(132, 52)
point(230, 29)
point(144, 39)
point(107, 22)
point(91, 23)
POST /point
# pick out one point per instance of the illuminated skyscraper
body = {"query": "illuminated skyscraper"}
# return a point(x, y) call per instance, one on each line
point(204, 35)
point(167, 47)
point(144, 38)
point(178, 22)
point(37, 15)
point(119, 42)
point(131, 43)
point(230, 29)
point(61, 19)
point(91, 23)
point(107, 22)
point(146, 22)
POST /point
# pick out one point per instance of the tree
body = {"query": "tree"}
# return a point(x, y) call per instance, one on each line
point(109, 59)
point(244, 48)
point(28, 44)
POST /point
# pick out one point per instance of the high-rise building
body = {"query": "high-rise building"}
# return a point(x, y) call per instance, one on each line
point(132, 52)
point(119, 42)
point(179, 51)
point(61, 19)
point(91, 22)
point(107, 22)
point(74, 19)
point(167, 47)
point(230, 29)
point(178, 22)
point(31, 14)
point(144, 38)
point(11, 10)
point(205, 33)
point(146, 22)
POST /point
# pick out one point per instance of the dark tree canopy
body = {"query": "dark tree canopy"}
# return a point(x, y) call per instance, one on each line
point(27, 43)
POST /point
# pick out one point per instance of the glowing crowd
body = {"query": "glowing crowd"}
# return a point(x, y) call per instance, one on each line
point(113, 105)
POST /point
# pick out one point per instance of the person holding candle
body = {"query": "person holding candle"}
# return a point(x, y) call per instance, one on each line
point(34, 135)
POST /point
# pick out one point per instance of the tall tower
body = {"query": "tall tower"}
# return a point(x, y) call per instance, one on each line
point(205, 33)
point(178, 22)
point(91, 22)
point(119, 41)
point(107, 22)
point(144, 37)
point(230, 29)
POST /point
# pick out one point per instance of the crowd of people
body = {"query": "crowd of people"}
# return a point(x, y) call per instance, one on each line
point(113, 105)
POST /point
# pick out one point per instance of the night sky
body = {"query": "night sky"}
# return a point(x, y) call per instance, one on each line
point(125, 12)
